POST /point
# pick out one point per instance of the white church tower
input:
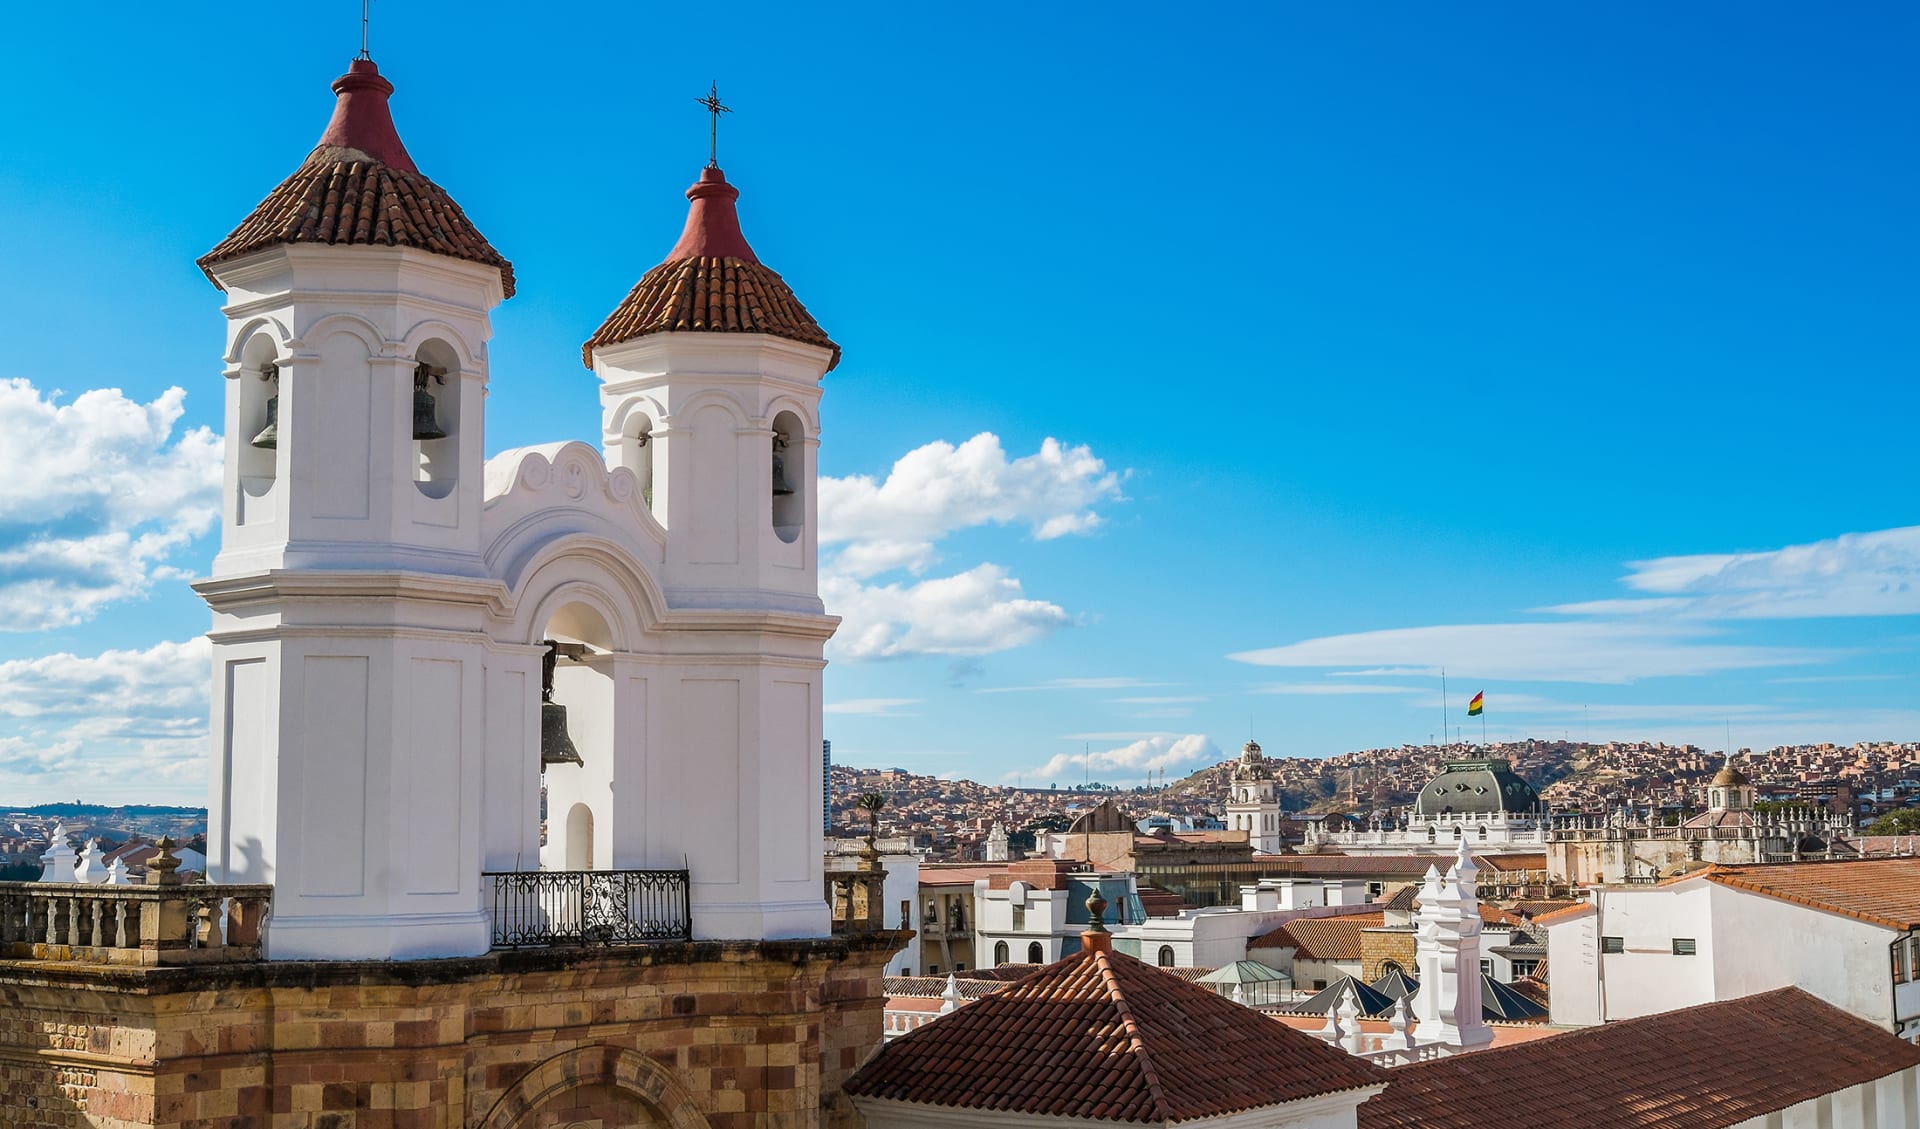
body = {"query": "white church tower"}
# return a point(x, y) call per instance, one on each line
point(1254, 804)
point(349, 595)
point(433, 672)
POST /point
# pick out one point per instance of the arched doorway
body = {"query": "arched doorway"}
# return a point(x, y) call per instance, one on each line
point(601, 1085)
point(1166, 956)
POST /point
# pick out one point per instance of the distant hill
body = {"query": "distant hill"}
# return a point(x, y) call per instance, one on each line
point(133, 811)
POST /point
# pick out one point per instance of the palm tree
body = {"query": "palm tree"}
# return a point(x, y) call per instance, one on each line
point(871, 803)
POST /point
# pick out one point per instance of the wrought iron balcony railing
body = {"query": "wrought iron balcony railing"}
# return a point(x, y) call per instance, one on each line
point(532, 908)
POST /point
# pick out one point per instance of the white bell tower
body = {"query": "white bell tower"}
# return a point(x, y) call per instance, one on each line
point(349, 594)
point(1253, 805)
point(710, 375)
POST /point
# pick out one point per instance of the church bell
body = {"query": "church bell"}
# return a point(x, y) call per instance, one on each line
point(555, 746)
point(269, 436)
point(780, 487)
point(424, 425)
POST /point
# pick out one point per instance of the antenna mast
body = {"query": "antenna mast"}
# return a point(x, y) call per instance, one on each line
point(366, 14)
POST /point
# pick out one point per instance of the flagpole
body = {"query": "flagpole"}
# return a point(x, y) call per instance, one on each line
point(1446, 717)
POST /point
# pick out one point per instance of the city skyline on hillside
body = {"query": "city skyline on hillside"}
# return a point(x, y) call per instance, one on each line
point(1212, 387)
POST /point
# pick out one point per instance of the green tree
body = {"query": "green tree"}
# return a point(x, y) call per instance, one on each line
point(872, 803)
point(1906, 821)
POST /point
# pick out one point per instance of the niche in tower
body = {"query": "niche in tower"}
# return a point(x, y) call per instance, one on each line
point(259, 430)
point(636, 454)
point(434, 418)
point(789, 477)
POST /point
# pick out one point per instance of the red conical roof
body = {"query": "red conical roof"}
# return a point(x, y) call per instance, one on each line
point(360, 187)
point(711, 282)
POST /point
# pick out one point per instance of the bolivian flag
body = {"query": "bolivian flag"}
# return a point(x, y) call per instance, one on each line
point(1474, 707)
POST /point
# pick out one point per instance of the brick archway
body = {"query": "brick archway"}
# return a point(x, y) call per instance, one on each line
point(626, 1072)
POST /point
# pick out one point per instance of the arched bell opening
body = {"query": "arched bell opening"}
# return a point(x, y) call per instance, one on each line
point(790, 477)
point(435, 418)
point(576, 739)
point(637, 448)
point(259, 422)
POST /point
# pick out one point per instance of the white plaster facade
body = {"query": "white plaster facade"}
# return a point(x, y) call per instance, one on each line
point(1215, 936)
point(1025, 923)
point(1743, 942)
point(1338, 1110)
point(380, 606)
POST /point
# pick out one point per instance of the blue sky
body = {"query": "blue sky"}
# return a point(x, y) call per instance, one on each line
point(1201, 365)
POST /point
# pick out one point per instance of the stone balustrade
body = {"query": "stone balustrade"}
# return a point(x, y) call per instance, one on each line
point(91, 923)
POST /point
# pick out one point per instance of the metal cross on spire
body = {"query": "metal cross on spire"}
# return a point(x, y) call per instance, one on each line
point(366, 14)
point(714, 108)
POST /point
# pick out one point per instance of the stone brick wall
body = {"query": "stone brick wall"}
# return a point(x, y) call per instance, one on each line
point(1378, 946)
point(714, 1034)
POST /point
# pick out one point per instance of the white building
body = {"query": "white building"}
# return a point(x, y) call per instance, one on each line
point(1482, 803)
point(389, 605)
point(1253, 804)
point(1036, 911)
point(1214, 936)
point(1846, 932)
point(1631, 841)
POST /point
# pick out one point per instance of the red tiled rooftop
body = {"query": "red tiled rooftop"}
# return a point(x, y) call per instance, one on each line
point(711, 282)
point(1704, 1067)
point(1565, 913)
point(359, 187)
point(944, 874)
point(1321, 938)
point(1885, 891)
point(1103, 1036)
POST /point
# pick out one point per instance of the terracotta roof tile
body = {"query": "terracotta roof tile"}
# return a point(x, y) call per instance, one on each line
point(1101, 1035)
point(1321, 938)
point(711, 282)
point(358, 187)
point(1885, 891)
point(1566, 913)
point(1704, 1067)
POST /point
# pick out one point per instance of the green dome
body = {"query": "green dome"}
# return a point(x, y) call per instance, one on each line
point(1476, 788)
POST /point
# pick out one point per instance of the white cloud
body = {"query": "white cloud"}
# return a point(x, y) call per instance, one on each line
point(872, 707)
point(977, 612)
point(894, 526)
point(1129, 762)
point(1165, 701)
point(103, 721)
point(1335, 688)
point(1116, 683)
point(1543, 652)
point(939, 488)
point(98, 496)
point(1389, 672)
point(1854, 574)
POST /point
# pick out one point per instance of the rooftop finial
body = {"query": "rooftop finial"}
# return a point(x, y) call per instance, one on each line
point(366, 15)
point(715, 109)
